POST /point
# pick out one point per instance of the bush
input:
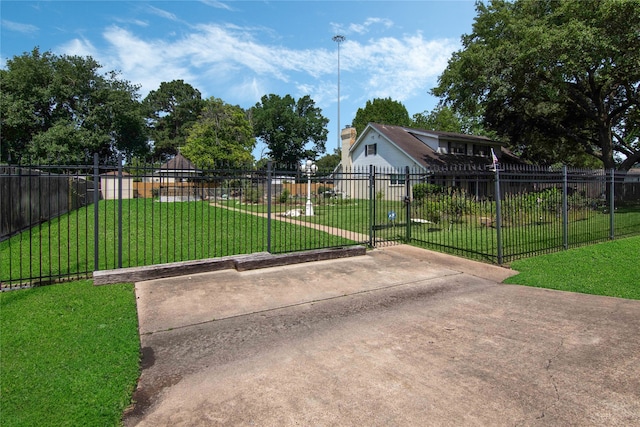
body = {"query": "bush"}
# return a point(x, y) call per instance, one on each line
point(252, 195)
point(326, 192)
point(420, 191)
point(284, 196)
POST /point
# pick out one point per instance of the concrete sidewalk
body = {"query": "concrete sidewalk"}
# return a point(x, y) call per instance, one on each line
point(400, 336)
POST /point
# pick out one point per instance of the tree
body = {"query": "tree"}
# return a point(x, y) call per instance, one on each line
point(171, 111)
point(222, 136)
point(328, 162)
point(60, 110)
point(287, 127)
point(24, 108)
point(560, 79)
point(384, 111)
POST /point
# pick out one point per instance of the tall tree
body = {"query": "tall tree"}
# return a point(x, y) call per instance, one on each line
point(560, 79)
point(222, 136)
point(171, 111)
point(328, 162)
point(288, 126)
point(60, 109)
point(25, 110)
point(381, 110)
point(440, 119)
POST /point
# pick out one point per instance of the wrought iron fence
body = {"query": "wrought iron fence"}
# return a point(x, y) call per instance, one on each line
point(66, 222)
point(520, 211)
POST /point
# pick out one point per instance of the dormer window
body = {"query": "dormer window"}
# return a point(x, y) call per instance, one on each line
point(457, 148)
point(481, 150)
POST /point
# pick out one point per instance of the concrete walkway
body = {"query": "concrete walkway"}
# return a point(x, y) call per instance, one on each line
point(400, 336)
point(335, 231)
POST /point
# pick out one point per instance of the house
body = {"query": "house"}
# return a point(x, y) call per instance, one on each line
point(392, 148)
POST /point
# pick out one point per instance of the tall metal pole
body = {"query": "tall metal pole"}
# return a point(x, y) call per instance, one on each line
point(339, 39)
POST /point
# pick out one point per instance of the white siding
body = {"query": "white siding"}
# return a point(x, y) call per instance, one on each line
point(388, 157)
point(387, 154)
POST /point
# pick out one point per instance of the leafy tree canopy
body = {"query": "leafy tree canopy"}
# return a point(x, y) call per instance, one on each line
point(381, 110)
point(328, 162)
point(288, 126)
point(171, 111)
point(60, 110)
point(222, 136)
point(443, 118)
point(560, 79)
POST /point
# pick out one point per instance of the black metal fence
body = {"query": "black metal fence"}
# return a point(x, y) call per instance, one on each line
point(502, 215)
point(105, 216)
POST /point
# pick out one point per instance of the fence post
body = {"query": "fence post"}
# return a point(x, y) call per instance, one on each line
point(565, 208)
point(498, 218)
point(372, 203)
point(407, 201)
point(120, 210)
point(96, 217)
point(612, 204)
point(269, 181)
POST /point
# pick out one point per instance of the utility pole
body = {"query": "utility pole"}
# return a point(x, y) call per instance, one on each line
point(339, 39)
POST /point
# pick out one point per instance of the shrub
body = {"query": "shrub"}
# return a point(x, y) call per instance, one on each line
point(284, 196)
point(252, 195)
point(420, 191)
point(326, 192)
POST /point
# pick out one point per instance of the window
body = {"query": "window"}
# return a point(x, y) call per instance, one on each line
point(397, 179)
point(481, 150)
point(457, 148)
point(371, 150)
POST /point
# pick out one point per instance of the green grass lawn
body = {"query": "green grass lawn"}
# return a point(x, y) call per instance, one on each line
point(153, 233)
point(69, 354)
point(521, 236)
point(610, 268)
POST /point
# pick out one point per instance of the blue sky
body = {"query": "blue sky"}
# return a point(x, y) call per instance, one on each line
point(241, 50)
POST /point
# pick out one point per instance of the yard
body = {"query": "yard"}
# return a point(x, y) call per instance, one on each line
point(453, 222)
point(152, 233)
point(70, 352)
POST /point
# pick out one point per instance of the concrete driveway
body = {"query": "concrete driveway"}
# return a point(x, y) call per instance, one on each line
point(398, 337)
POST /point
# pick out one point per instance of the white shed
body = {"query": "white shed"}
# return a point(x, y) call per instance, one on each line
point(109, 185)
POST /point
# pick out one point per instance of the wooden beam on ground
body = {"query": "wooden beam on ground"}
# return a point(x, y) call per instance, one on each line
point(269, 260)
point(238, 262)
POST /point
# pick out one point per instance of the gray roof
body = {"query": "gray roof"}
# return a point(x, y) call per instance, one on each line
point(180, 163)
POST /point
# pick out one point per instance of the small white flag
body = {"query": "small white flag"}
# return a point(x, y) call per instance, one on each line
point(494, 158)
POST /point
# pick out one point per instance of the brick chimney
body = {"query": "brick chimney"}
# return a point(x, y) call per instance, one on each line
point(348, 137)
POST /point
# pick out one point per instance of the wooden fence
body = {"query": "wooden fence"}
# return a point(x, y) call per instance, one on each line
point(29, 197)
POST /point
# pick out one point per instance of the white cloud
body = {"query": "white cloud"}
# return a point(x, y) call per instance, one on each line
point(361, 28)
point(368, 23)
point(249, 91)
point(398, 68)
point(217, 4)
point(136, 22)
point(79, 47)
point(18, 27)
point(233, 60)
point(163, 13)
